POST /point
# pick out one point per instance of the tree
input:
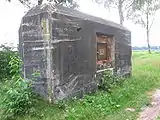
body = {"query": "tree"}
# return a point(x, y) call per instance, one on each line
point(143, 13)
point(123, 6)
point(31, 3)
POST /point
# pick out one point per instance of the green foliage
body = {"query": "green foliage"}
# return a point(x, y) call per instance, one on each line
point(109, 106)
point(92, 107)
point(109, 80)
point(98, 104)
point(18, 98)
point(6, 54)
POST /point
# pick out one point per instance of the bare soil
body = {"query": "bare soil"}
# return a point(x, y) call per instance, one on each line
point(152, 112)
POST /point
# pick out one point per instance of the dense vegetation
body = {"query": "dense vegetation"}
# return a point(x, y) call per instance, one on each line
point(20, 102)
point(16, 95)
point(6, 53)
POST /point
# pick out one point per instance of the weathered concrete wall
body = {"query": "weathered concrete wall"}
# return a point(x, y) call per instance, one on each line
point(61, 47)
point(76, 68)
point(33, 50)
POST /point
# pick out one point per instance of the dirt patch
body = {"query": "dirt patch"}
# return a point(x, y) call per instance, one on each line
point(151, 93)
point(152, 112)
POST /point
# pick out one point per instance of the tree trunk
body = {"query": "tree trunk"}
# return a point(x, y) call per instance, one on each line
point(147, 30)
point(121, 17)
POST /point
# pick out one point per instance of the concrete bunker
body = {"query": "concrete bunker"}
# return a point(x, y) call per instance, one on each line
point(67, 48)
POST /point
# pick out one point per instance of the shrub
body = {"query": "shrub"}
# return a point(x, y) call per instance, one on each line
point(5, 57)
point(109, 80)
point(18, 98)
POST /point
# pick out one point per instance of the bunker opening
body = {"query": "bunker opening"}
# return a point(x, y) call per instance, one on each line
point(105, 51)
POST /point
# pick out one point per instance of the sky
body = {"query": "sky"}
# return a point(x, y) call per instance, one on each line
point(12, 13)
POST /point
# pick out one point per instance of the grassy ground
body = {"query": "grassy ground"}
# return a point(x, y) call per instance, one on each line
point(110, 106)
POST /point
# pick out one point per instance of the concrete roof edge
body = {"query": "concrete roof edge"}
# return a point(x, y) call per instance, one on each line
point(60, 9)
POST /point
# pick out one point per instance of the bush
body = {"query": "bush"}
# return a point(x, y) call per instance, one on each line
point(18, 98)
point(109, 80)
point(5, 57)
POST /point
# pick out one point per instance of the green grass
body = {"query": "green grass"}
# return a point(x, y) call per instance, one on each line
point(110, 106)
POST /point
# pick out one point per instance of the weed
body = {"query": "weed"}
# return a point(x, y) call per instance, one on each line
point(109, 80)
point(18, 98)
